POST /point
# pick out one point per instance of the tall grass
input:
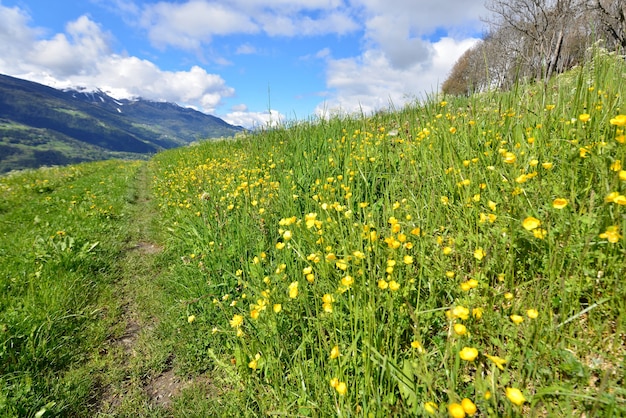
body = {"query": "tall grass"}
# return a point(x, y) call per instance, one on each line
point(462, 255)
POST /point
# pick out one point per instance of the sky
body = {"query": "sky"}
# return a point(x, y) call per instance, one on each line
point(249, 62)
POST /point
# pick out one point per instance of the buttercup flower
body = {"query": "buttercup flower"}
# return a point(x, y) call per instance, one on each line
point(431, 407)
point(611, 234)
point(236, 321)
point(341, 388)
point(498, 361)
point(559, 203)
point(619, 120)
point(334, 352)
point(584, 117)
point(456, 410)
point(517, 319)
point(532, 313)
point(293, 290)
point(191, 318)
point(468, 353)
point(460, 329)
point(515, 396)
point(468, 406)
point(531, 223)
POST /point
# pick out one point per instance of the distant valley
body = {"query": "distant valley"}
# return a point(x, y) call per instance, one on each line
point(41, 126)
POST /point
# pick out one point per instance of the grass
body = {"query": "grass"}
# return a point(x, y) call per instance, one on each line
point(455, 257)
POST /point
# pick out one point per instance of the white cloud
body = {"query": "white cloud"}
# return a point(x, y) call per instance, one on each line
point(240, 116)
point(371, 81)
point(246, 49)
point(82, 57)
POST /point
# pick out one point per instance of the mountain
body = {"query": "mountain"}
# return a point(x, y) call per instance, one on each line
point(40, 125)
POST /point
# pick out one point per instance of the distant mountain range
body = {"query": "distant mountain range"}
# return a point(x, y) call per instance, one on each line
point(40, 125)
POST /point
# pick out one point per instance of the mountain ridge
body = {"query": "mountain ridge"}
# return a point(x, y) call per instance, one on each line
point(42, 125)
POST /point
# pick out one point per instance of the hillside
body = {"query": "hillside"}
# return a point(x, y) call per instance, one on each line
point(40, 125)
point(460, 257)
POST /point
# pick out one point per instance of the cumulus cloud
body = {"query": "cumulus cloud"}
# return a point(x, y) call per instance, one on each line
point(370, 81)
point(241, 116)
point(81, 56)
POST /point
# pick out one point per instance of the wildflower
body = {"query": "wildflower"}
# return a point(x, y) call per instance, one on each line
point(509, 158)
point(477, 313)
point(583, 151)
point(393, 285)
point(616, 165)
point(498, 361)
point(540, 233)
point(236, 321)
point(515, 396)
point(492, 205)
point(341, 388)
point(559, 203)
point(517, 319)
point(408, 259)
point(611, 234)
point(334, 382)
point(280, 245)
point(622, 175)
point(469, 284)
point(456, 410)
point(382, 284)
point(287, 235)
point(487, 395)
point(547, 165)
point(531, 223)
point(417, 345)
point(254, 362)
point(254, 314)
point(468, 353)
point(460, 329)
point(532, 313)
point(508, 296)
point(334, 352)
point(479, 254)
point(309, 220)
point(468, 406)
point(460, 312)
point(347, 281)
point(450, 274)
point(444, 200)
point(293, 290)
point(584, 117)
point(431, 408)
point(191, 318)
point(277, 307)
point(619, 120)
point(610, 198)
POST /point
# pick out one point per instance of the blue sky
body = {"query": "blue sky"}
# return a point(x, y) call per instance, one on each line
point(242, 59)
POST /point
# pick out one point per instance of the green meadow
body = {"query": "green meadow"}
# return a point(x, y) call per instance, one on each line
point(459, 257)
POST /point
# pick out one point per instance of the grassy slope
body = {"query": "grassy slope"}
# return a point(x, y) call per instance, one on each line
point(335, 268)
point(396, 242)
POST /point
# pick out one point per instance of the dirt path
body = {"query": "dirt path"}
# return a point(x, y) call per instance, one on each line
point(137, 373)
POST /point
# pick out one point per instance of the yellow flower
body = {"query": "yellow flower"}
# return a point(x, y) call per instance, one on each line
point(456, 410)
point(459, 312)
point(540, 233)
point(468, 406)
point(447, 250)
point(610, 198)
point(498, 361)
point(583, 151)
point(382, 284)
point(236, 321)
point(280, 245)
point(444, 200)
point(517, 319)
point(416, 345)
point(287, 235)
point(509, 158)
point(254, 314)
point(334, 352)
point(619, 120)
point(547, 165)
point(277, 307)
point(584, 117)
point(477, 313)
point(622, 175)
point(559, 203)
point(191, 318)
point(341, 388)
point(408, 259)
point(469, 284)
point(334, 382)
point(479, 254)
point(616, 165)
point(293, 290)
point(531, 223)
point(460, 329)
point(393, 285)
point(611, 234)
point(431, 408)
point(254, 362)
point(492, 205)
point(515, 396)
point(347, 281)
point(532, 313)
point(468, 353)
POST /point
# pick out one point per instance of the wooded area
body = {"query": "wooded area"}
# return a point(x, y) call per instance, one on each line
point(534, 39)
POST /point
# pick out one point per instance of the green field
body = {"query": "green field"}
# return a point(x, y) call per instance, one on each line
point(459, 257)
